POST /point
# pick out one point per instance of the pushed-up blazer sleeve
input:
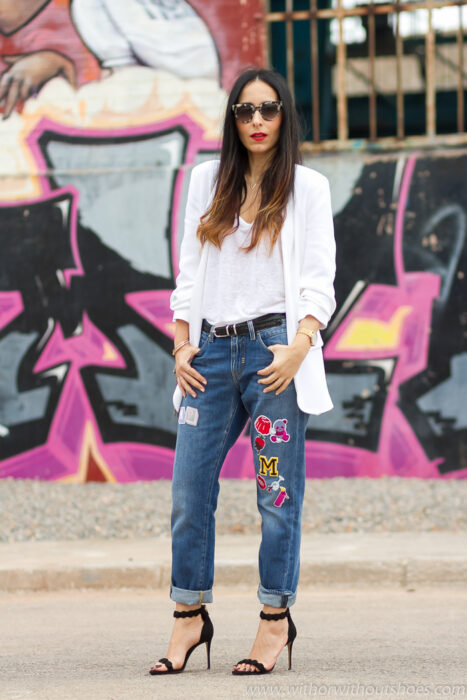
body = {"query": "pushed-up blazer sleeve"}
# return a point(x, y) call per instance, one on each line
point(190, 249)
point(318, 254)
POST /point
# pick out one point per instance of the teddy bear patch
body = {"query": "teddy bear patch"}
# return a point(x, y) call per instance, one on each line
point(279, 431)
point(276, 431)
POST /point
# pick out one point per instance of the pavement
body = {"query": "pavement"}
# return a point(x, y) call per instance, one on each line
point(388, 559)
point(99, 645)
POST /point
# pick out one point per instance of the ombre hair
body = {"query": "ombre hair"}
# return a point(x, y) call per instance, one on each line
point(222, 217)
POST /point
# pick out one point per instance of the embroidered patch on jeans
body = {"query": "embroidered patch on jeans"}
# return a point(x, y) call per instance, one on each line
point(261, 482)
point(260, 444)
point(191, 415)
point(268, 465)
point(281, 497)
point(181, 415)
point(263, 425)
point(275, 485)
point(279, 431)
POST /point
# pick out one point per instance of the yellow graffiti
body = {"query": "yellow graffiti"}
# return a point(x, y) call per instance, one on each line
point(268, 465)
point(371, 334)
point(109, 353)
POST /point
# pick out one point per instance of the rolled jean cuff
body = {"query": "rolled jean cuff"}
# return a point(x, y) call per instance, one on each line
point(277, 599)
point(181, 595)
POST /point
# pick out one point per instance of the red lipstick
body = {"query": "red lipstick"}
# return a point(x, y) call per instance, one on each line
point(259, 136)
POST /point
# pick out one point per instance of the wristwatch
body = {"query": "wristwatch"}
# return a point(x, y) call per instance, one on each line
point(313, 335)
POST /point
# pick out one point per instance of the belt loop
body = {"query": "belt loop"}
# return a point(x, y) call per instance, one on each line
point(251, 328)
point(211, 333)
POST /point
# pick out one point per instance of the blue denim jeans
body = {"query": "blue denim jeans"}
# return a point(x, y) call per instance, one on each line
point(208, 427)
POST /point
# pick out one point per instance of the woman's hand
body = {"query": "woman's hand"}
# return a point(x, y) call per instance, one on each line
point(187, 376)
point(283, 368)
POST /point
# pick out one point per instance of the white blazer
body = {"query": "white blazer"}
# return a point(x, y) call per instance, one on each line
point(309, 255)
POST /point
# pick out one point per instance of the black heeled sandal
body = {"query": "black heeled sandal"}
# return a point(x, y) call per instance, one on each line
point(206, 637)
point(292, 633)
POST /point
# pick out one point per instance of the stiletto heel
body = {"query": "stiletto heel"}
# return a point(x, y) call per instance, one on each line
point(292, 633)
point(206, 637)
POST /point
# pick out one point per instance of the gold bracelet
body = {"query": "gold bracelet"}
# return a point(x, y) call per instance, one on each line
point(312, 335)
point(180, 345)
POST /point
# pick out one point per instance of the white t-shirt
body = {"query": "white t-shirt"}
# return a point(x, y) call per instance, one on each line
point(239, 285)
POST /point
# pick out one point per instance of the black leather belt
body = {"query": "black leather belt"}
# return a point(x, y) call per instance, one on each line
point(266, 321)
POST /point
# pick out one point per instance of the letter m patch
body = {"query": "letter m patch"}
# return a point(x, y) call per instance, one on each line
point(268, 465)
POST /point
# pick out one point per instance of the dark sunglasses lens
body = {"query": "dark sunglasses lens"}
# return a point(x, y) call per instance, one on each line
point(244, 113)
point(270, 110)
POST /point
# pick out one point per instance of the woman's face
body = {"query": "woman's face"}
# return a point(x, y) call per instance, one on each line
point(259, 136)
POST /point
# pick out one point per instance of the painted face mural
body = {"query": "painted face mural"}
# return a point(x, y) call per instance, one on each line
point(104, 112)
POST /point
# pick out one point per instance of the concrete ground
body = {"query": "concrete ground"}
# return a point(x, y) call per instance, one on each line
point(99, 645)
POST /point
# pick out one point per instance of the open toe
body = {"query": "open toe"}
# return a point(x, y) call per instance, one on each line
point(251, 666)
point(207, 632)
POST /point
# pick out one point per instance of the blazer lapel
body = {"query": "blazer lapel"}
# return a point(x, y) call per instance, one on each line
point(287, 234)
point(291, 271)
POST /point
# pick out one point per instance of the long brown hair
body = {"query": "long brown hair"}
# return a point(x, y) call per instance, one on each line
point(222, 217)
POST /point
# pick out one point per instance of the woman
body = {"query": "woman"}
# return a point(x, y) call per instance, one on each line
point(257, 266)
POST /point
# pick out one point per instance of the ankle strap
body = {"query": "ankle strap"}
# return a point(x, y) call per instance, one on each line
point(191, 613)
point(274, 616)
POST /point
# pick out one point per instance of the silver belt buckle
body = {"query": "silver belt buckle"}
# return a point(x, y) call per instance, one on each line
point(225, 334)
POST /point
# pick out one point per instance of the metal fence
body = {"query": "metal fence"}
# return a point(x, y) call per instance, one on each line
point(433, 70)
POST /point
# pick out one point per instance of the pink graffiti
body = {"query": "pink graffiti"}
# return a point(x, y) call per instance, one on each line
point(154, 306)
point(11, 305)
point(399, 451)
point(74, 440)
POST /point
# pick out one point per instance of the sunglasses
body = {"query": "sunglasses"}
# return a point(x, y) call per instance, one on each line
point(244, 111)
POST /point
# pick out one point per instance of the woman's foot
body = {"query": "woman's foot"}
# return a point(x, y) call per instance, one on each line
point(270, 639)
point(186, 632)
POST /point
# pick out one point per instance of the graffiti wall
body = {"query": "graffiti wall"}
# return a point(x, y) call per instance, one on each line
point(396, 349)
point(106, 106)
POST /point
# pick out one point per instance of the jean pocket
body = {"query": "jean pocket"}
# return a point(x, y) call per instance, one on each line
point(272, 336)
point(203, 343)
